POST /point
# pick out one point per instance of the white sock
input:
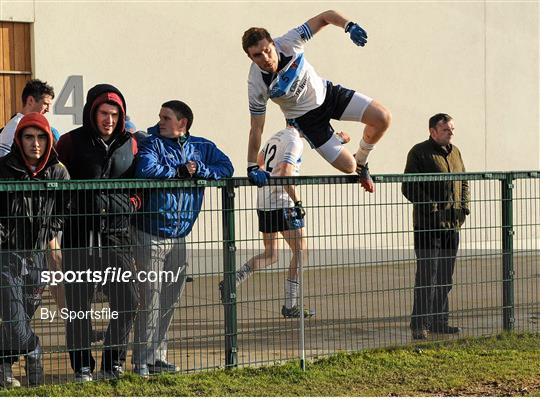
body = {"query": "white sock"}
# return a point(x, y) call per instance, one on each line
point(242, 274)
point(363, 151)
point(291, 293)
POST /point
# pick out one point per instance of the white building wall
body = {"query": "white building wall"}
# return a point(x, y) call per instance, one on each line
point(476, 60)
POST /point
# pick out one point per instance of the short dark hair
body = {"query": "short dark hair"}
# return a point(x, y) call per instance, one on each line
point(37, 89)
point(181, 110)
point(439, 118)
point(253, 36)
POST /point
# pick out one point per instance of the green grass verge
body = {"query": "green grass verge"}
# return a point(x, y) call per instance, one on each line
point(507, 365)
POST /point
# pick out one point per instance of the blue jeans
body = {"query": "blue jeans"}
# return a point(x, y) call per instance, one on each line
point(20, 296)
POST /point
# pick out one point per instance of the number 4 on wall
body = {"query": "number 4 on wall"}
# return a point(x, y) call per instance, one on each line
point(73, 88)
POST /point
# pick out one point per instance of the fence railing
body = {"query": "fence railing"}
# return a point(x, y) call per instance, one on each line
point(358, 269)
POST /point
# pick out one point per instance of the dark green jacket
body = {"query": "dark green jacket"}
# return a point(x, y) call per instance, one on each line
point(437, 204)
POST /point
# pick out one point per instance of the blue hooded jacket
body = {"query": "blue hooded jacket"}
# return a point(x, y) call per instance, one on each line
point(172, 212)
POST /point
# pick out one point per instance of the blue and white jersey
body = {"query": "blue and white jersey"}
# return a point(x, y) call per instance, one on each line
point(8, 134)
point(296, 87)
point(284, 146)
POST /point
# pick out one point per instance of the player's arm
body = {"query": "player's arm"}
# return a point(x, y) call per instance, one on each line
point(287, 169)
point(331, 17)
point(255, 134)
point(260, 159)
point(256, 175)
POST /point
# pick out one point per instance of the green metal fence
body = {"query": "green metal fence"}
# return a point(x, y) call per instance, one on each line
point(358, 274)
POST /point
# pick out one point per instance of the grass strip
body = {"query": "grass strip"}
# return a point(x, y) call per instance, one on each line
point(507, 365)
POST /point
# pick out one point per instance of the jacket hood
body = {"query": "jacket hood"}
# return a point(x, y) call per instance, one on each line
point(97, 95)
point(34, 119)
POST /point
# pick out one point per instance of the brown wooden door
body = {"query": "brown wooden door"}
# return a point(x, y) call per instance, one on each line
point(15, 66)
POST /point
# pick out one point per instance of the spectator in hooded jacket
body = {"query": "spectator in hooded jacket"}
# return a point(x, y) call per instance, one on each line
point(170, 152)
point(37, 96)
point(29, 220)
point(97, 231)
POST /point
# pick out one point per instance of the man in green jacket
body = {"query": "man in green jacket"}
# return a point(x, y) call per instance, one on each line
point(440, 208)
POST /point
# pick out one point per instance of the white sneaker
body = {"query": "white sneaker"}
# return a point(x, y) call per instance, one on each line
point(6, 377)
point(84, 375)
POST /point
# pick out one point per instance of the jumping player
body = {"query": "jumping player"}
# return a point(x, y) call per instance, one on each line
point(281, 73)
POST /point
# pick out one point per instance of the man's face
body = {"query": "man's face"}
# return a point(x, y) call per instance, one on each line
point(42, 105)
point(264, 54)
point(34, 144)
point(106, 119)
point(442, 132)
point(169, 126)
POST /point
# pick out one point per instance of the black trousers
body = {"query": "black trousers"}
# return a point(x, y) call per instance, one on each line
point(436, 256)
point(20, 296)
point(114, 251)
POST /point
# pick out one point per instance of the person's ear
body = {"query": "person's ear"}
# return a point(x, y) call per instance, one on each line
point(182, 124)
point(30, 101)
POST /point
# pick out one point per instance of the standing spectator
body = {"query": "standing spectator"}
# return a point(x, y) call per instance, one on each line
point(37, 96)
point(97, 231)
point(280, 72)
point(170, 152)
point(29, 220)
point(439, 211)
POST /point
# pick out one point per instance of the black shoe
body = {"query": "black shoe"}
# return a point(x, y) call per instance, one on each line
point(444, 329)
point(161, 366)
point(295, 312)
point(115, 372)
point(34, 367)
point(365, 178)
point(420, 334)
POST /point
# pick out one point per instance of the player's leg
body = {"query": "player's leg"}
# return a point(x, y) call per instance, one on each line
point(297, 243)
point(342, 159)
point(343, 137)
point(337, 155)
point(270, 222)
point(377, 119)
point(374, 115)
point(295, 239)
point(262, 260)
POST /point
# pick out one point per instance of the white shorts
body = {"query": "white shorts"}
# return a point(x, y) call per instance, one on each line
point(354, 111)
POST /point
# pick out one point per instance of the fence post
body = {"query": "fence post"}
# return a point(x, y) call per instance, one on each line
point(507, 187)
point(229, 271)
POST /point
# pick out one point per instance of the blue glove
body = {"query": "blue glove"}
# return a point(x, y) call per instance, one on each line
point(358, 35)
point(257, 176)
